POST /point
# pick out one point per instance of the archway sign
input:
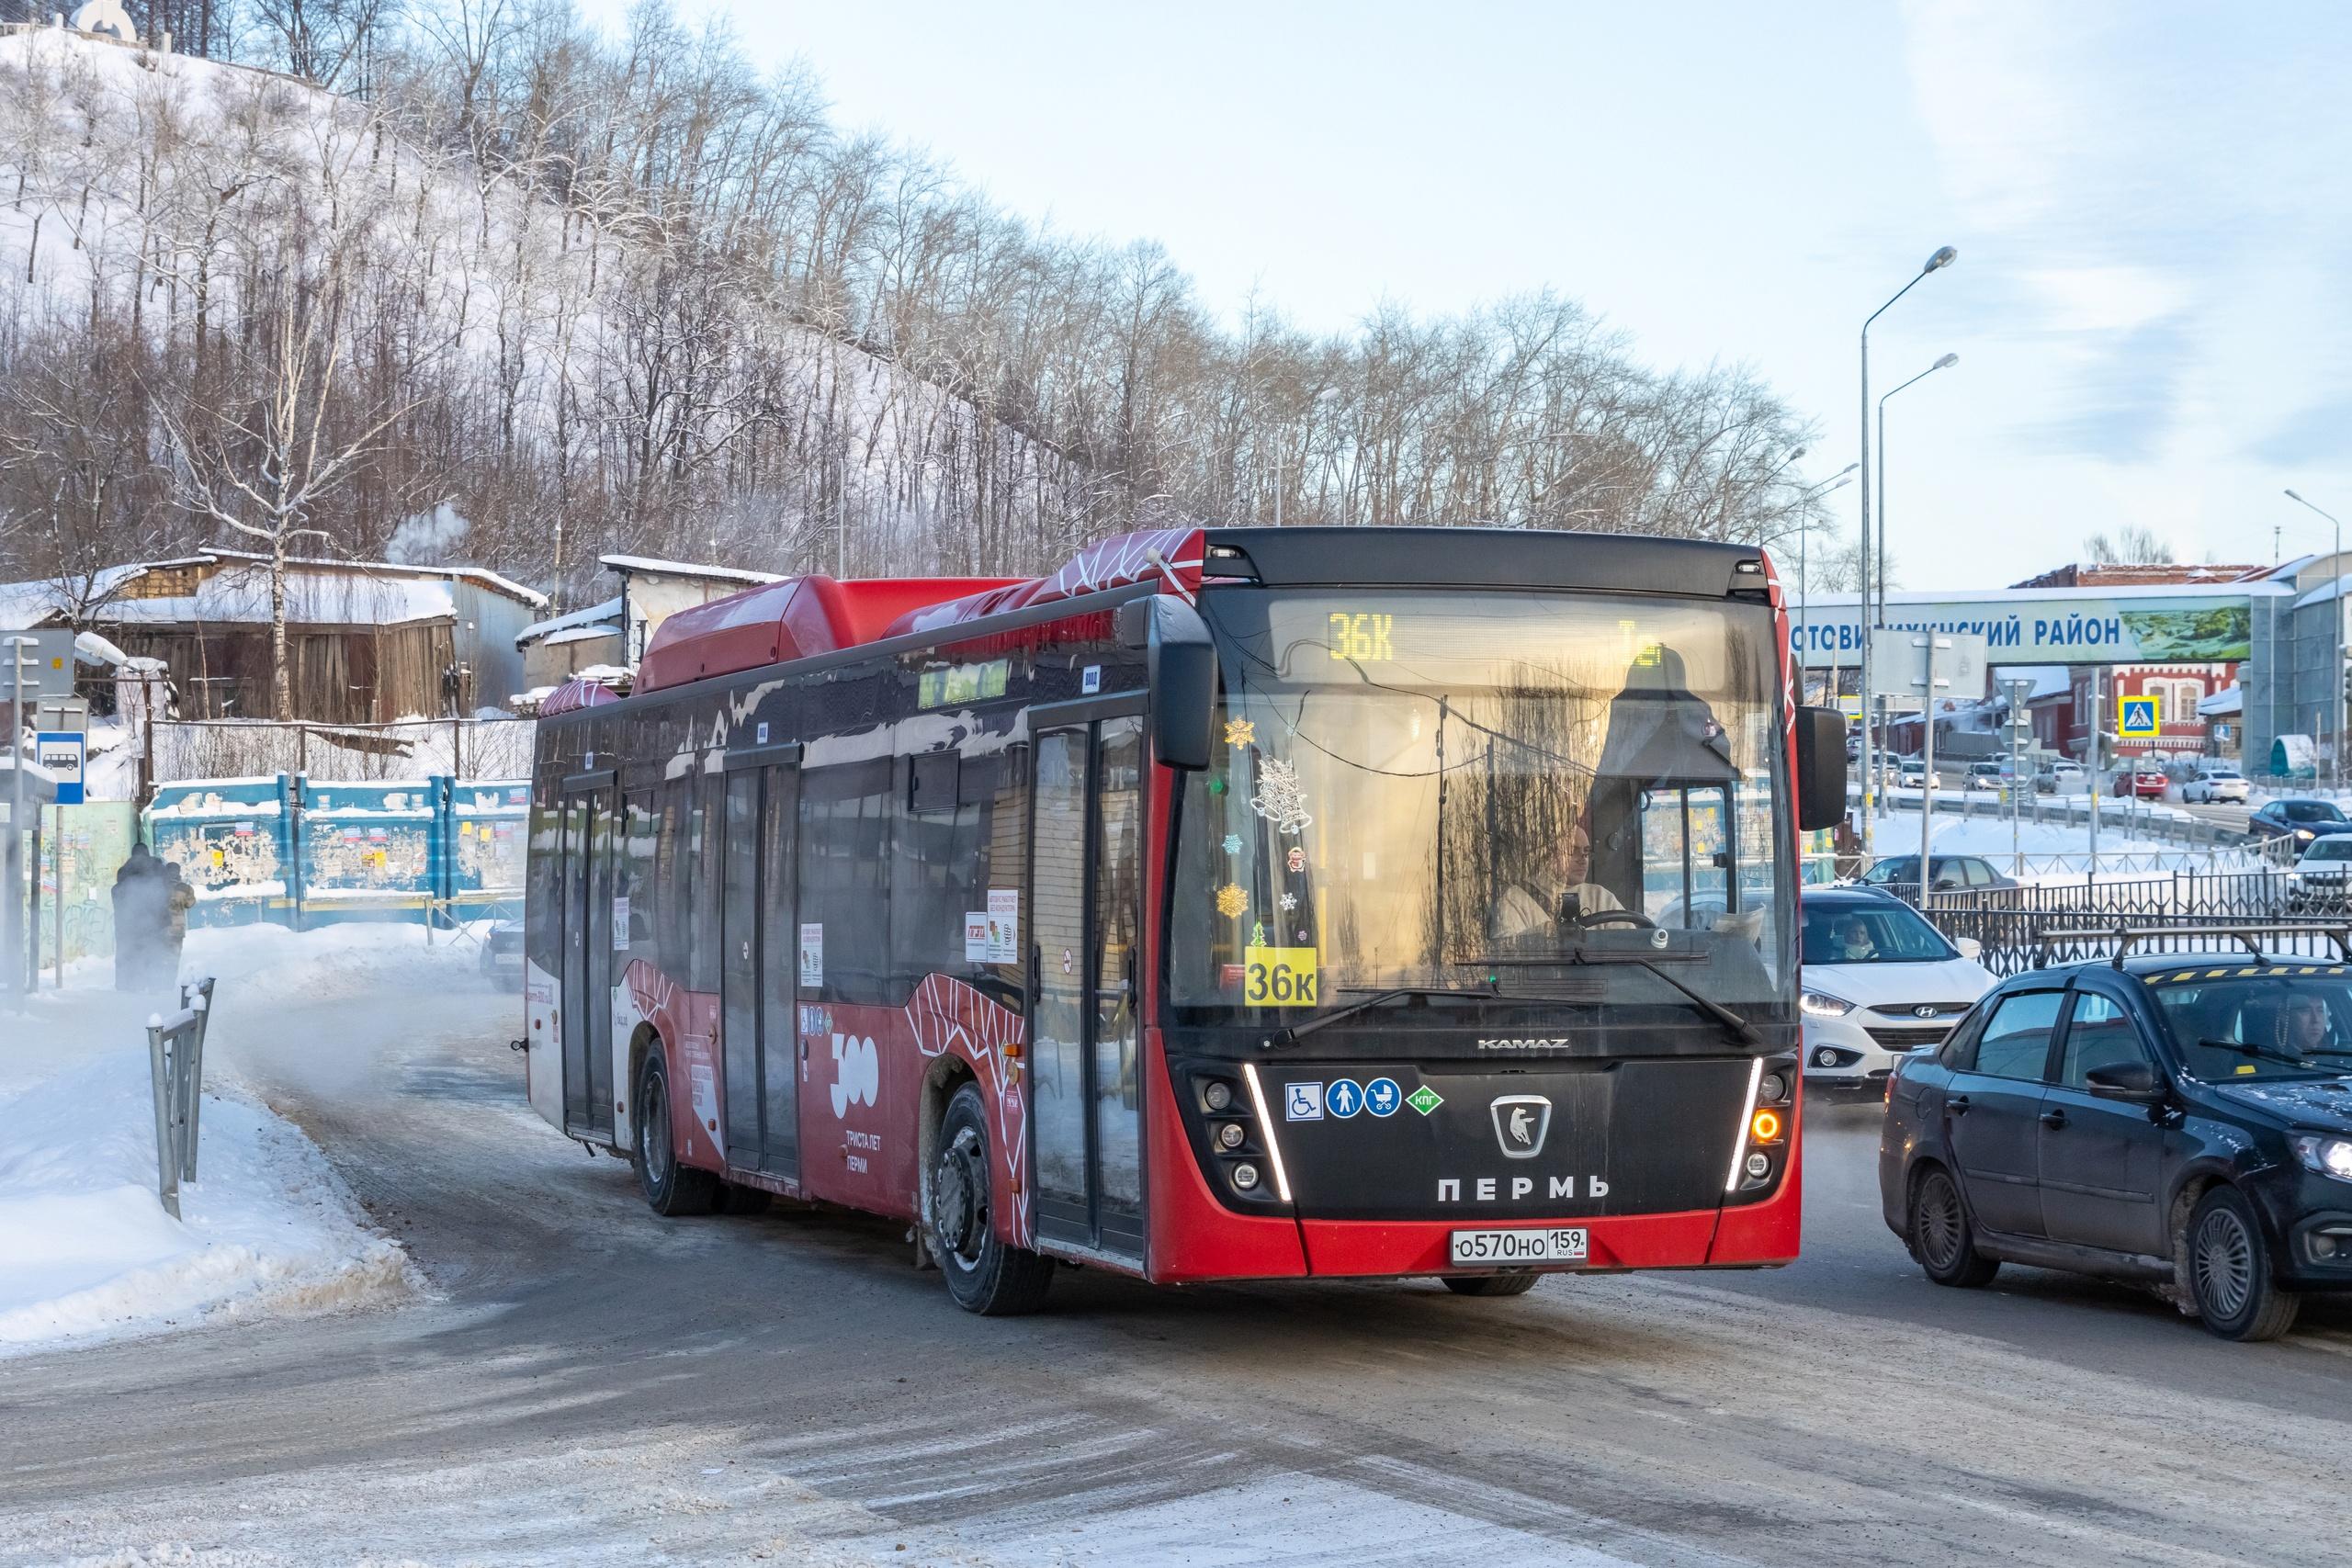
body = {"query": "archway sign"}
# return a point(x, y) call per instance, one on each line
point(2162, 624)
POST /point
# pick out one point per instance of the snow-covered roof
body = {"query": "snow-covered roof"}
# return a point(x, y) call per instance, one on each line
point(2048, 680)
point(24, 604)
point(582, 634)
point(2222, 704)
point(238, 594)
point(603, 617)
point(684, 569)
point(482, 575)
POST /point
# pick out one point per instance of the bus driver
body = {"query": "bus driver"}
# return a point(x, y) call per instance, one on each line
point(1535, 904)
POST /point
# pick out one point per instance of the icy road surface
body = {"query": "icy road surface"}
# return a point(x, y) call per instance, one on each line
point(586, 1383)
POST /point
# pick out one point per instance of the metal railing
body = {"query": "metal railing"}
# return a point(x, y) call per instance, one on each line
point(2009, 924)
point(176, 1072)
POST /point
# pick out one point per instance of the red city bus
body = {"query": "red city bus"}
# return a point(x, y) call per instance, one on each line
point(1238, 903)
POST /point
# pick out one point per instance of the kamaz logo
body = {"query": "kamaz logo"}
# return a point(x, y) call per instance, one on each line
point(1526, 1042)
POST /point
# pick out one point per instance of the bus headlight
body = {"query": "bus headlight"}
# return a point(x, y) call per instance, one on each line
point(1821, 1004)
point(1217, 1095)
point(1230, 1133)
point(1245, 1177)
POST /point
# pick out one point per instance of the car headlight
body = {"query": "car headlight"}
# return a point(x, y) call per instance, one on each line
point(2305, 833)
point(2329, 1156)
point(1821, 1004)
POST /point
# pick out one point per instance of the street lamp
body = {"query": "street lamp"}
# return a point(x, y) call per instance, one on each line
point(1946, 363)
point(2336, 609)
point(1945, 255)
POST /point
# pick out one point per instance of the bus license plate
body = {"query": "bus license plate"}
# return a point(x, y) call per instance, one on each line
point(1472, 1248)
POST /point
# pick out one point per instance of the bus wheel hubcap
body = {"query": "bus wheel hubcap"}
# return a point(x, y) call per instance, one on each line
point(657, 1127)
point(959, 1200)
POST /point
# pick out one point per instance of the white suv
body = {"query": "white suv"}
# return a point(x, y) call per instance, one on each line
point(2210, 783)
point(1880, 983)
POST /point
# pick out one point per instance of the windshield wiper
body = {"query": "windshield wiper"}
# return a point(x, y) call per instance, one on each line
point(2268, 1054)
point(1290, 1034)
point(1734, 1024)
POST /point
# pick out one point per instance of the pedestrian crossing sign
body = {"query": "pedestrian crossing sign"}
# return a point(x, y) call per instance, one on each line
point(2137, 718)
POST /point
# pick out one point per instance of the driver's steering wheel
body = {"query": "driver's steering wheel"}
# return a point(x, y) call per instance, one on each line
point(1593, 918)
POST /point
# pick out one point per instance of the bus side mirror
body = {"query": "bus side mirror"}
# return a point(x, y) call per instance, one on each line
point(1821, 768)
point(1182, 663)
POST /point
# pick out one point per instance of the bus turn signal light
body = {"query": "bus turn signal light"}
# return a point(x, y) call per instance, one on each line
point(1765, 1126)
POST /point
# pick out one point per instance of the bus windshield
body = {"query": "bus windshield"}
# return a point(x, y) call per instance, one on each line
point(1532, 794)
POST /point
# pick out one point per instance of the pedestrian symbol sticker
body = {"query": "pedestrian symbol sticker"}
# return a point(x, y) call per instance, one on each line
point(1304, 1102)
point(1424, 1099)
point(1382, 1097)
point(1343, 1098)
point(2137, 718)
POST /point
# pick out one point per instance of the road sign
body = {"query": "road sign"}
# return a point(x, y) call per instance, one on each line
point(49, 663)
point(2136, 719)
point(62, 755)
point(1898, 660)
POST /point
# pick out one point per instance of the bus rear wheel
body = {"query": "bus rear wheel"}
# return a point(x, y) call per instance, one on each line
point(670, 1189)
point(1516, 1283)
point(984, 1273)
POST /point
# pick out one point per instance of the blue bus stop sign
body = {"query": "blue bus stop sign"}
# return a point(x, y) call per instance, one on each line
point(62, 755)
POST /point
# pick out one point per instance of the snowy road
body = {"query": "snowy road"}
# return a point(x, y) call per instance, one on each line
point(591, 1384)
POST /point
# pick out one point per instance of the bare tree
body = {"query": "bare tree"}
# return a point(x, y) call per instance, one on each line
point(2132, 544)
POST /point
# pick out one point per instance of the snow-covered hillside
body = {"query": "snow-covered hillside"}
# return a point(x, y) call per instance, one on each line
point(178, 195)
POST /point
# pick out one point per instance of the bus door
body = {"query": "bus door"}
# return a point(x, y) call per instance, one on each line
point(759, 1037)
point(1086, 1046)
point(587, 912)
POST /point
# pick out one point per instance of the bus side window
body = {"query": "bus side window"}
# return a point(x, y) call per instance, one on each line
point(671, 858)
point(702, 887)
point(846, 814)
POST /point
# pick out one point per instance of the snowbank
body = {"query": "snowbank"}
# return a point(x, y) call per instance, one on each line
point(87, 1252)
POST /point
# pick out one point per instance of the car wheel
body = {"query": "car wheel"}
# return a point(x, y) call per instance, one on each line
point(1516, 1283)
point(670, 1189)
point(984, 1273)
point(2229, 1270)
point(1941, 1238)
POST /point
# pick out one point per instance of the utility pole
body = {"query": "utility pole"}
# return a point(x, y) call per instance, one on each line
point(2098, 723)
point(2018, 719)
point(1945, 255)
point(12, 931)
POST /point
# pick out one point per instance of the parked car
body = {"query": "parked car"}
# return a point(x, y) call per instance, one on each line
point(1899, 874)
point(1880, 983)
point(2061, 778)
point(2146, 781)
point(2302, 820)
point(2321, 880)
point(502, 954)
point(2182, 1123)
point(2214, 783)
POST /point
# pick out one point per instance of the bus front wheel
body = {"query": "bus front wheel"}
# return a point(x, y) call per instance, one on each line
point(984, 1273)
point(670, 1189)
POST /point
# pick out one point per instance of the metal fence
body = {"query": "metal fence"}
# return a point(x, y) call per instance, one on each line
point(181, 750)
point(175, 1071)
point(2008, 923)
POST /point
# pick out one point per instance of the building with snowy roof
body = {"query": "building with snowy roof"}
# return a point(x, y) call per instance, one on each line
point(367, 641)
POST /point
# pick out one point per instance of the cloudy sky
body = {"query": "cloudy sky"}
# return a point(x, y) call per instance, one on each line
point(2152, 204)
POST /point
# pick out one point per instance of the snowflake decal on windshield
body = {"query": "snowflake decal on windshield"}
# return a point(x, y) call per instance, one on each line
point(1232, 900)
point(1240, 732)
point(1278, 798)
